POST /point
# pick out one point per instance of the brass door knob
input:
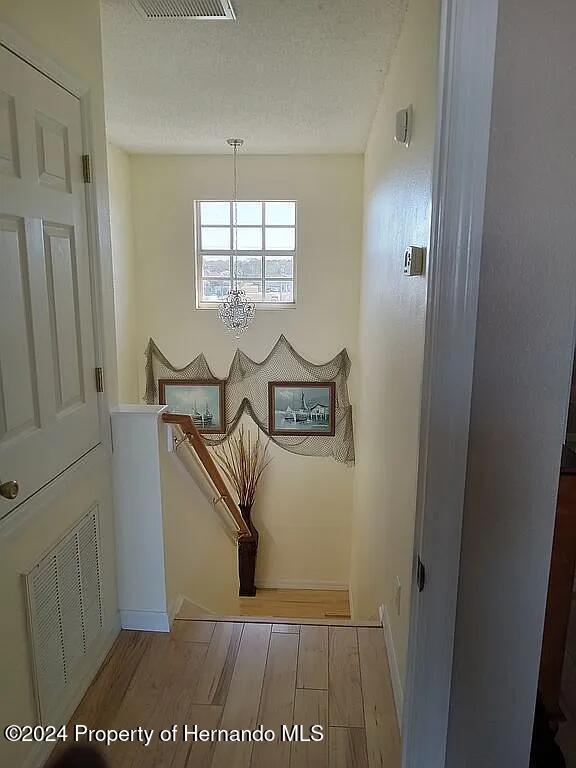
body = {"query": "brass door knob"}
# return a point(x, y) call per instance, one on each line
point(9, 489)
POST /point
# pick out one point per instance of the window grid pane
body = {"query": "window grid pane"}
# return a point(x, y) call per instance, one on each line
point(279, 266)
point(249, 266)
point(215, 238)
point(279, 291)
point(253, 289)
point(266, 241)
point(249, 238)
point(216, 265)
point(282, 213)
point(280, 238)
point(249, 214)
point(214, 212)
point(213, 291)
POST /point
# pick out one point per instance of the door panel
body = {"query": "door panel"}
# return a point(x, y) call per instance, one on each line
point(48, 400)
point(9, 164)
point(19, 407)
point(60, 260)
point(52, 152)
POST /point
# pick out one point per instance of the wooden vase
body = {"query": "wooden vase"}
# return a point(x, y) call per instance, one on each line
point(247, 551)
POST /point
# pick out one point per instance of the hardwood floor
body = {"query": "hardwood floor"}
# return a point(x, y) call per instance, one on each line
point(235, 675)
point(290, 604)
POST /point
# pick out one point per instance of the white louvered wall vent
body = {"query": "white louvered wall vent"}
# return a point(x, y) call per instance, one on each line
point(65, 613)
point(201, 10)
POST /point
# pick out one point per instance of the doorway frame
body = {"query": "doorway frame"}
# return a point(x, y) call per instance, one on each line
point(465, 77)
point(466, 63)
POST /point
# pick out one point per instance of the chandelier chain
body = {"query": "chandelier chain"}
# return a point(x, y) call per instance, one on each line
point(235, 218)
point(236, 312)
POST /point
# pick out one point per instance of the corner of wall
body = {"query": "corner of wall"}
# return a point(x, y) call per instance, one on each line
point(125, 273)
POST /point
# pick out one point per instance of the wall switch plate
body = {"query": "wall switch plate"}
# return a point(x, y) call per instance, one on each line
point(398, 596)
point(414, 260)
point(403, 130)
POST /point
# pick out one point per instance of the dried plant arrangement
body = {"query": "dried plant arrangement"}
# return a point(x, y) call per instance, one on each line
point(243, 459)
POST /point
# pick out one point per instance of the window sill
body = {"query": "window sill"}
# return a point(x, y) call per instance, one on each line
point(259, 306)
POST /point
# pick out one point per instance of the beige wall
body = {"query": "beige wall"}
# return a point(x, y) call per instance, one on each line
point(125, 275)
point(304, 510)
point(201, 558)
point(69, 32)
point(397, 202)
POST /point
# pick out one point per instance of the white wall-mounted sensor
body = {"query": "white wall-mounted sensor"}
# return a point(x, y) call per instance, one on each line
point(403, 132)
point(414, 260)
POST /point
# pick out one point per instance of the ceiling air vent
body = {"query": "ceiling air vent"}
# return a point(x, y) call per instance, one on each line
point(201, 10)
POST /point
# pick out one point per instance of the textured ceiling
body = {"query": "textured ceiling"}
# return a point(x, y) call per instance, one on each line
point(289, 76)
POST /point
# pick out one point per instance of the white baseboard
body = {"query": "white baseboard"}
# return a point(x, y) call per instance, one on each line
point(392, 664)
point(282, 584)
point(145, 621)
point(40, 753)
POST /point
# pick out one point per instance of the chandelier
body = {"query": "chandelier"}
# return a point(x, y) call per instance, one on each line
point(236, 312)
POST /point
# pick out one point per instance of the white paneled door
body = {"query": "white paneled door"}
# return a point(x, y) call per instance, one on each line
point(48, 401)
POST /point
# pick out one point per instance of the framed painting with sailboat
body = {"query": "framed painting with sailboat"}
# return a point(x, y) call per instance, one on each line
point(302, 408)
point(204, 401)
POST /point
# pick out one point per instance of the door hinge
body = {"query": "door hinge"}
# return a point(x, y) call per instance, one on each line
point(99, 376)
point(86, 169)
point(420, 575)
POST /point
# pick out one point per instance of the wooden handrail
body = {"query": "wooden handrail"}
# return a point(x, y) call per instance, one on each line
point(194, 437)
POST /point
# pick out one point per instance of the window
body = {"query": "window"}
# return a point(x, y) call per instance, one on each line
point(265, 234)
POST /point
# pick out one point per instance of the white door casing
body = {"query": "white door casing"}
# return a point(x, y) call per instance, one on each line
point(48, 399)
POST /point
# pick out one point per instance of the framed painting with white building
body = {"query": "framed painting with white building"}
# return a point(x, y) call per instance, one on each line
point(302, 408)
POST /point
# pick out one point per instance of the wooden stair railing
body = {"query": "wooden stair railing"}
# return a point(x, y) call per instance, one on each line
point(194, 438)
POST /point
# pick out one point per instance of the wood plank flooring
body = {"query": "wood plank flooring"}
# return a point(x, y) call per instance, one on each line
point(296, 604)
point(234, 675)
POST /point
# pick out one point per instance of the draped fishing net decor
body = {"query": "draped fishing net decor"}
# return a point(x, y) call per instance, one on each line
point(246, 388)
